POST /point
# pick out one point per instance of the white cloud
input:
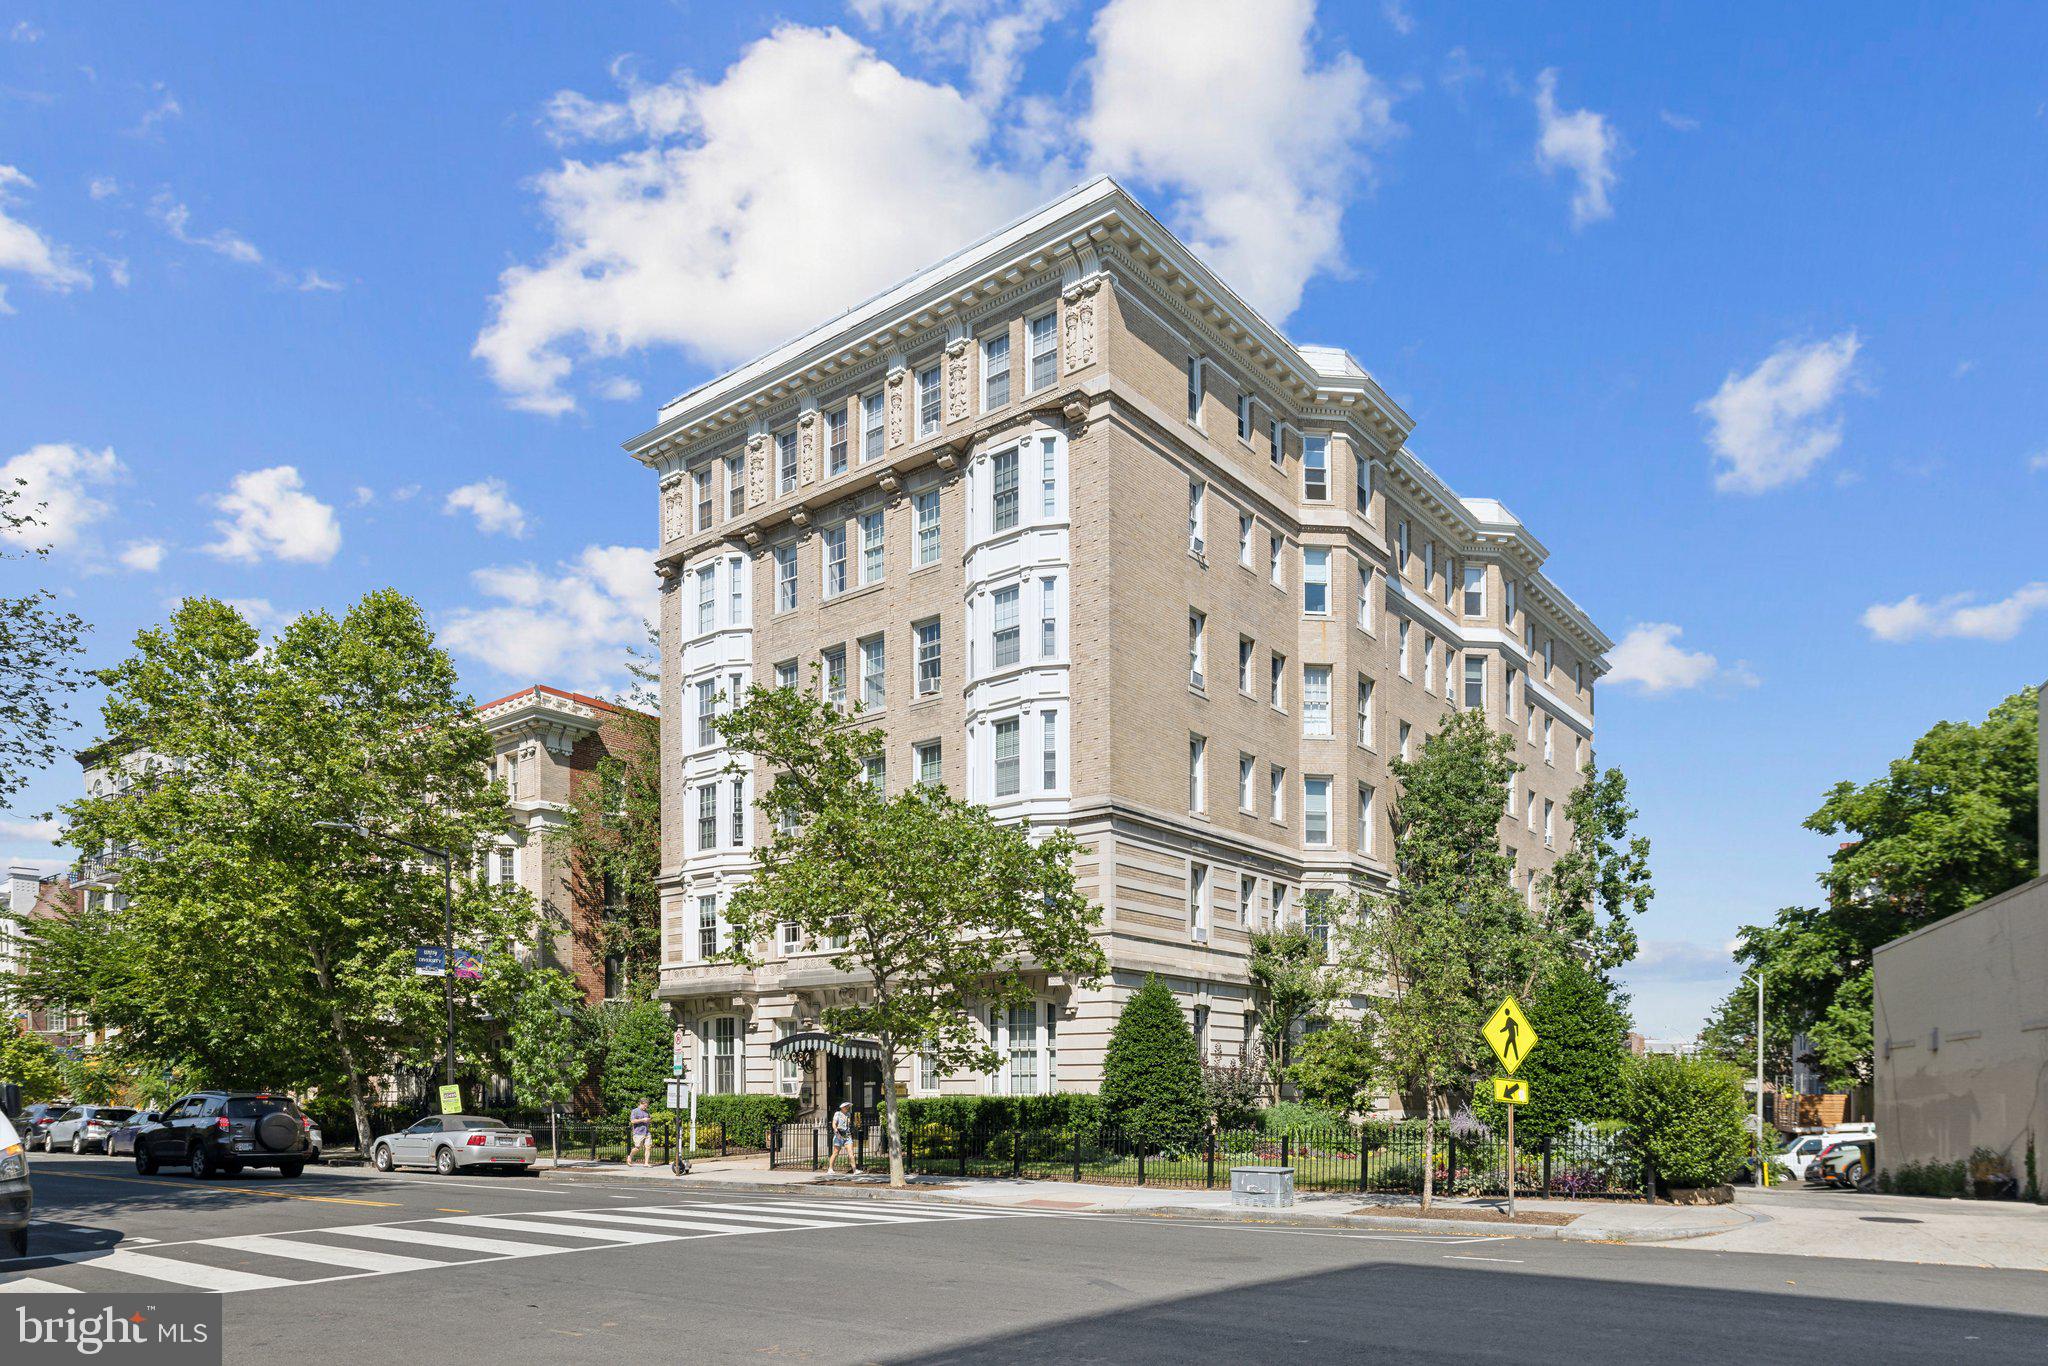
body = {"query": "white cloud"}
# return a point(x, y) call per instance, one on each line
point(1579, 141)
point(28, 252)
point(143, 557)
point(25, 32)
point(163, 111)
point(177, 221)
point(990, 39)
point(103, 187)
point(619, 389)
point(269, 513)
point(1774, 424)
point(1398, 16)
point(33, 831)
point(1956, 617)
point(1224, 104)
point(364, 495)
point(1682, 960)
point(489, 501)
point(61, 477)
point(1683, 123)
point(571, 626)
point(1651, 658)
point(1962, 368)
point(706, 236)
point(2038, 461)
point(259, 613)
point(312, 281)
point(117, 270)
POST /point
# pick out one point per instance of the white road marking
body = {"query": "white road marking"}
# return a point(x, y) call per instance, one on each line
point(883, 1214)
point(1467, 1257)
point(563, 1230)
point(29, 1285)
point(354, 1258)
point(425, 1237)
point(191, 1275)
point(731, 1220)
point(651, 1221)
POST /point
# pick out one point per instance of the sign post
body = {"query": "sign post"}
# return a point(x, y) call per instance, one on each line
point(682, 1095)
point(1510, 1035)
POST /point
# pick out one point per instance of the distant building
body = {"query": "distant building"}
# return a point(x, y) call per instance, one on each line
point(34, 895)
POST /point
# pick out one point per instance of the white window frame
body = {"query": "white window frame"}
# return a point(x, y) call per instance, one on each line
point(700, 497)
point(1014, 761)
point(1244, 418)
point(1198, 623)
point(995, 366)
point(1365, 697)
point(1198, 776)
point(1475, 590)
point(874, 671)
point(785, 462)
point(1012, 460)
point(1316, 721)
point(873, 547)
point(1247, 651)
point(931, 400)
point(1247, 782)
point(1197, 491)
point(929, 636)
point(1198, 901)
point(832, 579)
point(1042, 343)
point(1276, 793)
point(835, 442)
point(1315, 574)
point(874, 427)
point(1475, 663)
point(1368, 832)
point(1316, 804)
point(926, 526)
point(785, 578)
point(1006, 640)
point(1244, 539)
point(1315, 469)
point(1198, 392)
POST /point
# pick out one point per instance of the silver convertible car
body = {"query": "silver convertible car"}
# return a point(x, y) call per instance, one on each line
point(452, 1143)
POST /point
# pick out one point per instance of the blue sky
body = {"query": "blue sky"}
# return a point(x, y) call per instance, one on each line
point(1745, 316)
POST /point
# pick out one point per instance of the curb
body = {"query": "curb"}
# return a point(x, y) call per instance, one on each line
point(1186, 1213)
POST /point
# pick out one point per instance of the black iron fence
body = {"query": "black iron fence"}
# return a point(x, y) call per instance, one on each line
point(1372, 1159)
point(570, 1138)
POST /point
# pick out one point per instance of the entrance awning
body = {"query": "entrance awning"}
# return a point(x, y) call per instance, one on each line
point(817, 1041)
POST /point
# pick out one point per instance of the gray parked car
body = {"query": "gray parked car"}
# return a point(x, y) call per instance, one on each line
point(84, 1128)
point(452, 1143)
point(121, 1139)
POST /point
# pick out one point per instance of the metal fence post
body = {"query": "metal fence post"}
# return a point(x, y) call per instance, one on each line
point(1451, 1161)
point(1016, 1150)
point(1546, 1165)
point(1649, 1181)
point(1209, 1180)
point(817, 1142)
point(1283, 1149)
point(1141, 1162)
point(1077, 1154)
point(1363, 1184)
point(961, 1138)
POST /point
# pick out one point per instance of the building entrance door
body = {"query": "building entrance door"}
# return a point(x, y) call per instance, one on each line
point(858, 1081)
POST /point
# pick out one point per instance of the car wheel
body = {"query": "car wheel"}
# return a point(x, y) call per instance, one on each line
point(17, 1242)
point(380, 1157)
point(201, 1162)
point(291, 1168)
point(145, 1161)
point(230, 1167)
point(444, 1162)
point(78, 1145)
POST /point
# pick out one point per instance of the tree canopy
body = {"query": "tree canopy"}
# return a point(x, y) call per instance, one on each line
point(1292, 987)
point(938, 908)
point(39, 646)
point(1152, 1070)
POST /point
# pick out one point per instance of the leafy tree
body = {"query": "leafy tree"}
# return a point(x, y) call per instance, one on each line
point(1292, 986)
point(613, 836)
point(1601, 880)
point(258, 946)
point(1685, 1114)
point(1152, 1072)
point(38, 650)
point(1336, 1066)
point(545, 1050)
point(1575, 1073)
point(1234, 1085)
point(937, 904)
point(636, 1043)
point(1730, 1033)
point(1453, 935)
point(30, 1062)
point(1947, 826)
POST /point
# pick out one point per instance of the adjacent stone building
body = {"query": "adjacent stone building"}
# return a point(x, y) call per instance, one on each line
point(1097, 546)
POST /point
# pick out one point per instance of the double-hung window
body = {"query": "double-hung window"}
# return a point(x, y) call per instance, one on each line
point(1045, 351)
point(1315, 468)
point(1244, 665)
point(1244, 418)
point(1428, 662)
point(871, 547)
point(1274, 569)
point(1368, 819)
point(1514, 684)
point(928, 755)
point(1048, 479)
point(1278, 681)
point(737, 832)
point(1450, 673)
point(1362, 489)
point(1315, 581)
point(1007, 647)
point(720, 1070)
point(833, 559)
point(1009, 766)
point(1195, 390)
point(1475, 590)
point(835, 675)
point(871, 427)
point(928, 639)
point(785, 577)
point(1315, 811)
point(735, 485)
point(1549, 823)
point(1549, 751)
point(1406, 672)
point(707, 816)
point(1024, 1079)
point(1247, 772)
point(1049, 750)
point(1244, 539)
point(785, 674)
point(707, 598)
point(1401, 744)
point(1196, 625)
point(1198, 778)
point(785, 462)
point(700, 495)
point(1198, 902)
point(707, 712)
point(1475, 681)
point(1276, 791)
point(735, 591)
point(995, 371)
point(874, 770)
point(835, 441)
point(1195, 491)
point(1048, 619)
point(1364, 596)
point(1276, 442)
point(1003, 490)
point(874, 681)
point(1315, 700)
point(929, 397)
point(1401, 544)
point(927, 505)
point(1365, 727)
point(1508, 601)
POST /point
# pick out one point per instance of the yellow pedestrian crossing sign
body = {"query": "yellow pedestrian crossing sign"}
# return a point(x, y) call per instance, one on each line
point(1510, 1091)
point(1510, 1034)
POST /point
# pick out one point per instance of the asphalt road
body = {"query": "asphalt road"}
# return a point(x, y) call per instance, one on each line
point(349, 1266)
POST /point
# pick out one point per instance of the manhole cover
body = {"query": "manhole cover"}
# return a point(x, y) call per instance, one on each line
point(1890, 1219)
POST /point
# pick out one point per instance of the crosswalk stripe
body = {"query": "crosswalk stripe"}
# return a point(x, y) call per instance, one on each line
point(651, 1220)
point(900, 1207)
point(191, 1275)
point(609, 1235)
point(897, 1213)
point(425, 1237)
point(808, 1219)
point(29, 1285)
point(354, 1258)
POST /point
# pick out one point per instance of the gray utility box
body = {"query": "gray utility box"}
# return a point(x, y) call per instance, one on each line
point(1262, 1187)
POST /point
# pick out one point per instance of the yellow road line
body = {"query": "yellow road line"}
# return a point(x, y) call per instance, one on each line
point(233, 1190)
point(451, 1211)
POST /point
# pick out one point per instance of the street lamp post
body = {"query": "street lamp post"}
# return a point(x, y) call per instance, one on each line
point(1760, 1158)
point(447, 917)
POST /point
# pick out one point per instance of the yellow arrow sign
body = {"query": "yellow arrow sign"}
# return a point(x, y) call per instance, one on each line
point(1509, 1091)
point(1510, 1034)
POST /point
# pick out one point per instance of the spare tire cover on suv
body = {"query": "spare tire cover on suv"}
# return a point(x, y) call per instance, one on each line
point(277, 1123)
point(277, 1131)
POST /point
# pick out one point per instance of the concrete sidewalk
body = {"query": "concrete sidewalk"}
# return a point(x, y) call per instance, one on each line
point(1888, 1228)
point(1573, 1220)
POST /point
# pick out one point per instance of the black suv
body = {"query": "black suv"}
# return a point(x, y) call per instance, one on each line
point(225, 1131)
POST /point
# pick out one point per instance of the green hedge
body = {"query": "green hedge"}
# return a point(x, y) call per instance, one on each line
point(1057, 1110)
point(1685, 1115)
point(747, 1119)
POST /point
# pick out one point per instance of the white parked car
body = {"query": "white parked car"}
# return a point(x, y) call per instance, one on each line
point(84, 1128)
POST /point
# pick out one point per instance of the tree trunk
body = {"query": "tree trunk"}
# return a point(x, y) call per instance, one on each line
point(1428, 1145)
point(358, 1102)
point(896, 1179)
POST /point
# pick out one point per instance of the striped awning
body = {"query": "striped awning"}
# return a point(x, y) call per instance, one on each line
point(817, 1041)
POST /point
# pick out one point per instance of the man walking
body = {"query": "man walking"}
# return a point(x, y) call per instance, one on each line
point(842, 1140)
point(643, 1136)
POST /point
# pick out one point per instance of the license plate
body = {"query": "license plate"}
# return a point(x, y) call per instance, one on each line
point(243, 1147)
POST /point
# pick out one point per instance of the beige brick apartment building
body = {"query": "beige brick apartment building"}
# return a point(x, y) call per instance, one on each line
point(1094, 545)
